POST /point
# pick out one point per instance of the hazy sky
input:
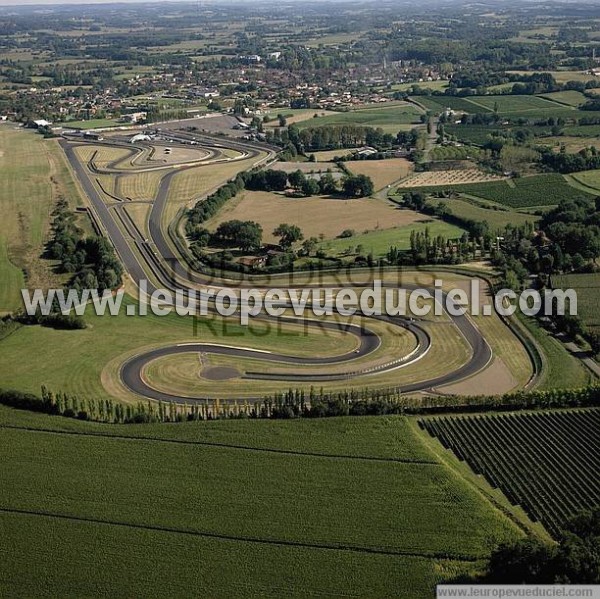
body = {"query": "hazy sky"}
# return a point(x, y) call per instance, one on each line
point(47, 2)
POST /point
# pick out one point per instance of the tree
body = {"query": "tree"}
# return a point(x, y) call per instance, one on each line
point(310, 187)
point(328, 184)
point(296, 179)
point(247, 235)
point(310, 245)
point(288, 235)
point(357, 186)
point(576, 559)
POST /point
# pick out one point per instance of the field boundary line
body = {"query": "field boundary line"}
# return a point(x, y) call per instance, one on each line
point(262, 541)
point(215, 444)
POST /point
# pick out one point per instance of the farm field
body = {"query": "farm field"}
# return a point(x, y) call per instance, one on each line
point(34, 176)
point(498, 219)
point(315, 215)
point(381, 172)
point(379, 241)
point(440, 103)
point(539, 190)
point(587, 287)
point(391, 119)
point(449, 177)
point(545, 462)
point(506, 105)
point(133, 495)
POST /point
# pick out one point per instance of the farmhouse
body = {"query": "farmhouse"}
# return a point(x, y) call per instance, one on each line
point(253, 261)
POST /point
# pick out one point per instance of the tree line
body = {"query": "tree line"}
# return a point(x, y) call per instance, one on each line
point(91, 261)
point(296, 403)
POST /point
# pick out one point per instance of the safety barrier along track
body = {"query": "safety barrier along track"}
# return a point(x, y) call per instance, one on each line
point(156, 260)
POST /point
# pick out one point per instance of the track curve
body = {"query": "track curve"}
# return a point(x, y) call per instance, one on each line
point(157, 258)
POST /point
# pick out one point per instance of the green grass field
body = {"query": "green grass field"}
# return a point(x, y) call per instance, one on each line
point(342, 507)
point(563, 370)
point(33, 176)
point(80, 367)
point(589, 179)
point(539, 190)
point(379, 242)
point(497, 219)
point(390, 118)
point(568, 98)
point(93, 124)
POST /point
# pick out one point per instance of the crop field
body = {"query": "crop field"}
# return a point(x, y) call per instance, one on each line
point(587, 287)
point(450, 178)
point(315, 215)
point(440, 103)
point(507, 105)
point(390, 118)
point(379, 241)
point(511, 104)
point(539, 190)
point(382, 172)
point(497, 219)
point(224, 496)
point(545, 462)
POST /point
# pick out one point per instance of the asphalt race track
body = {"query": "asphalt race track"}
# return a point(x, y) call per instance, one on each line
point(156, 260)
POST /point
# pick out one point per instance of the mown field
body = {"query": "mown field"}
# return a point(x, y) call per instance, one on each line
point(496, 219)
point(315, 215)
point(539, 190)
point(33, 176)
point(590, 179)
point(379, 241)
point(546, 462)
point(381, 172)
point(342, 507)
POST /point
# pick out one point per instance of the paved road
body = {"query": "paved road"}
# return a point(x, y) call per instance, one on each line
point(157, 260)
